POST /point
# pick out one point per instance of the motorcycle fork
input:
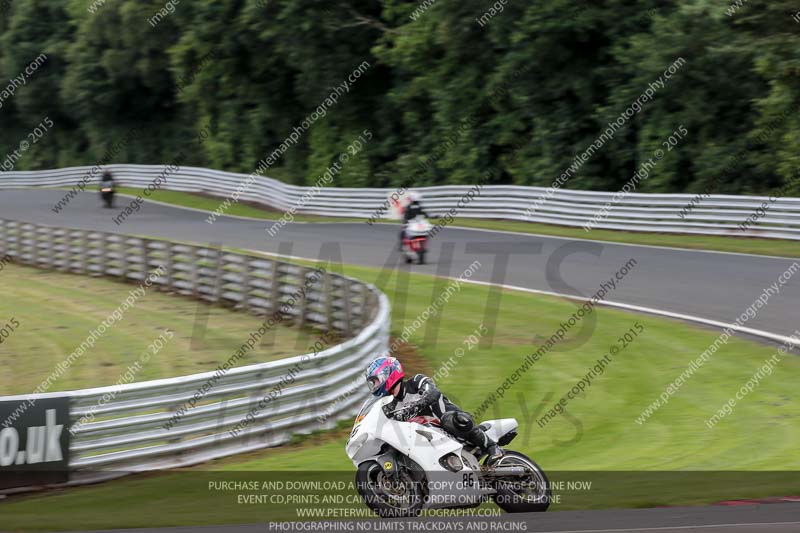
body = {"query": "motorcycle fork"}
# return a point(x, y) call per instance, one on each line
point(390, 464)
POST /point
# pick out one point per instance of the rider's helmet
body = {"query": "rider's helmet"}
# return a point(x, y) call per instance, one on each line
point(382, 374)
point(414, 196)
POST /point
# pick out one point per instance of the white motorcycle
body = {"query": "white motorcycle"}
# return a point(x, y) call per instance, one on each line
point(405, 467)
point(415, 240)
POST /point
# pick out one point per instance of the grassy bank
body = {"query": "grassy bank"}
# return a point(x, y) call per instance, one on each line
point(599, 434)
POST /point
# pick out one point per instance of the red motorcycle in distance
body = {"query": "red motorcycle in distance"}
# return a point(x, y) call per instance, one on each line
point(415, 239)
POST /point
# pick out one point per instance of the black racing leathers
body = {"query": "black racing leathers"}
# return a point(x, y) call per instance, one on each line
point(413, 210)
point(419, 396)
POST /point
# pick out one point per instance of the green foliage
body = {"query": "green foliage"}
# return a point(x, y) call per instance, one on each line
point(450, 94)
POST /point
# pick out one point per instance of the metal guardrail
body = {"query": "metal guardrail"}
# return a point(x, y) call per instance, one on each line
point(128, 433)
point(714, 215)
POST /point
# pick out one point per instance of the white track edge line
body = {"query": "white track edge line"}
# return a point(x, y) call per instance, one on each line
point(653, 311)
point(783, 339)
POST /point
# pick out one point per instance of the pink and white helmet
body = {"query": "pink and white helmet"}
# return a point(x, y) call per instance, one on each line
point(382, 374)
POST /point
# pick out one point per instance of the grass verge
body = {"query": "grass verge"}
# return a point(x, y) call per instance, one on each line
point(630, 464)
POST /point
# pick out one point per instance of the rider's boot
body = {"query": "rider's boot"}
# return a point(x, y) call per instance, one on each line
point(478, 437)
point(494, 453)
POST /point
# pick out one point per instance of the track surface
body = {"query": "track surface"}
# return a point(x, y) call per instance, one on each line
point(717, 286)
point(773, 518)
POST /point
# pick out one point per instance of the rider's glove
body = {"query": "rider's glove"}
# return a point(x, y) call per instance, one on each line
point(406, 412)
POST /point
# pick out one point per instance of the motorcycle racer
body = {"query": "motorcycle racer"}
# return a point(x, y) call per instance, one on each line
point(419, 396)
point(411, 211)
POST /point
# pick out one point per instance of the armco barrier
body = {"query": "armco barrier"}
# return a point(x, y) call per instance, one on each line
point(130, 433)
point(714, 215)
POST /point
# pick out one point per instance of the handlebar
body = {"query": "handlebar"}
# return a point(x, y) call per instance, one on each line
point(390, 413)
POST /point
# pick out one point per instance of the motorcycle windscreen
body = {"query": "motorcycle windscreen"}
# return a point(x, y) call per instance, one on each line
point(365, 408)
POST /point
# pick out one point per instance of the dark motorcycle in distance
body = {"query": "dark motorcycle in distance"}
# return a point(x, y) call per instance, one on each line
point(107, 194)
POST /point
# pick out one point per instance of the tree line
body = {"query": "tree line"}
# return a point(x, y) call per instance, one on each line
point(451, 94)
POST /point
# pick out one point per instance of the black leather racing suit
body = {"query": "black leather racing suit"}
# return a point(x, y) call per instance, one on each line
point(413, 210)
point(420, 396)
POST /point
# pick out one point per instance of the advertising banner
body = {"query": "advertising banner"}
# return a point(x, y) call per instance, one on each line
point(34, 442)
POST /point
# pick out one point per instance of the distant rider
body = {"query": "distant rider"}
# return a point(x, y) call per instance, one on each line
point(412, 211)
point(419, 396)
point(107, 182)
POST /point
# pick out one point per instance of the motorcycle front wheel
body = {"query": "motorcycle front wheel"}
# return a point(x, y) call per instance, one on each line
point(529, 495)
point(390, 496)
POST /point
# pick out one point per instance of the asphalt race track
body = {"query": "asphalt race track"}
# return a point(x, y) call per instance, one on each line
point(708, 285)
point(715, 286)
point(770, 518)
